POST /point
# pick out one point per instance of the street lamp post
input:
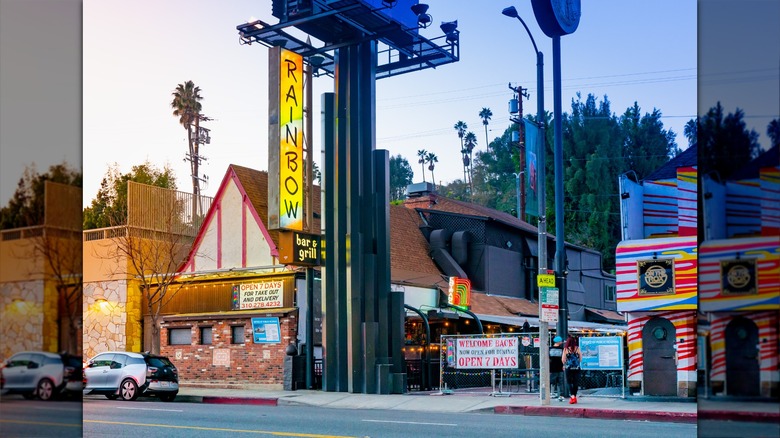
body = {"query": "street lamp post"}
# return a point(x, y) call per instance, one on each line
point(544, 353)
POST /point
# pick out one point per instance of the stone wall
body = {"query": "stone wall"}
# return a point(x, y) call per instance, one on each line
point(105, 321)
point(21, 317)
point(224, 362)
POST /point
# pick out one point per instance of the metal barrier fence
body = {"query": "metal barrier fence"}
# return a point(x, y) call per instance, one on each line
point(522, 378)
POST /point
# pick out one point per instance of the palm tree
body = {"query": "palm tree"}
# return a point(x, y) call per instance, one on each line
point(431, 158)
point(421, 154)
point(461, 127)
point(186, 106)
point(690, 131)
point(471, 142)
point(486, 114)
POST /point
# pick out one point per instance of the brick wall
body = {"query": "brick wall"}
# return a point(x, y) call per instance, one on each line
point(247, 363)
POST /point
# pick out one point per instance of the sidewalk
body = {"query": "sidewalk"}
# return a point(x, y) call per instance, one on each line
point(633, 408)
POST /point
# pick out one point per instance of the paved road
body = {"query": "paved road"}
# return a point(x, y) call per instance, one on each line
point(35, 418)
point(133, 419)
point(729, 429)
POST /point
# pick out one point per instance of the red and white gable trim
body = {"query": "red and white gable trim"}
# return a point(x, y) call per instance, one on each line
point(232, 234)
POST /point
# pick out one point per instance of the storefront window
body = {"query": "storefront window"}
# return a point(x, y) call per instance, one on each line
point(205, 335)
point(179, 336)
point(237, 334)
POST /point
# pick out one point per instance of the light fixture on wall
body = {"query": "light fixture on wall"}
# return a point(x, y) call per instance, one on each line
point(99, 295)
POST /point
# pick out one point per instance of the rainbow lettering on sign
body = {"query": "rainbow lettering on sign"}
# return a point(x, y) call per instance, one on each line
point(291, 141)
point(459, 292)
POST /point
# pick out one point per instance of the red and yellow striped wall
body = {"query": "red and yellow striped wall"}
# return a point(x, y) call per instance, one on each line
point(767, 254)
point(684, 252)
point(767, 323)
point(685, 337)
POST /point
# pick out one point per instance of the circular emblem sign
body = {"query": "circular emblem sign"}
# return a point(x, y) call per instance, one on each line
point(656, 276)
point(738, 276)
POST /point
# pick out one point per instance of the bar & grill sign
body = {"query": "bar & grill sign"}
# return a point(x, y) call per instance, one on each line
point(260, 295)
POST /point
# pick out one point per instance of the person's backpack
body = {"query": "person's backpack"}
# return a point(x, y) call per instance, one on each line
point(572, 360)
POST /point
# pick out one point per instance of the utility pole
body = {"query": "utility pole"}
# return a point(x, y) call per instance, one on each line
point(516, 116)
point(201, 136)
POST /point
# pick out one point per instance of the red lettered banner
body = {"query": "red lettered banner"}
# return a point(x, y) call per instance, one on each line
point(486, 353)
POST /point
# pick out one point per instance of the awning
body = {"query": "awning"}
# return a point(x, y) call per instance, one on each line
point(601, 315)
point(534, 322)
point(228, 314)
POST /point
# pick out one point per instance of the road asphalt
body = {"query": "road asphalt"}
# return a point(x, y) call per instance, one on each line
point(670, 409)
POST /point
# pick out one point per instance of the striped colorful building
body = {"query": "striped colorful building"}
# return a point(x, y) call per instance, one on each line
point(740, 279)
point(657, 272)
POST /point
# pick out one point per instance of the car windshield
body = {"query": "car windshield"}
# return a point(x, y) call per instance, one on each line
point(157, 361)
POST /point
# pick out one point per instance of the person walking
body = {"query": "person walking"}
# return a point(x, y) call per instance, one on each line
point(556, 367)
point(572, 356)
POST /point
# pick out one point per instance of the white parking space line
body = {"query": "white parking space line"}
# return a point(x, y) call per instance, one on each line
point(410, 422)
point(150, 409)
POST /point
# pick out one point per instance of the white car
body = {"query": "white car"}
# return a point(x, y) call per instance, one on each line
point(38, 374)
point(129, 375)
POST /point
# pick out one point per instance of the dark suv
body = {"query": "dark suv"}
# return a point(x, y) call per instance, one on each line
point(129, 375)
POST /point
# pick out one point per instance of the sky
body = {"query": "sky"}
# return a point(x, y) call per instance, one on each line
point(135, 53)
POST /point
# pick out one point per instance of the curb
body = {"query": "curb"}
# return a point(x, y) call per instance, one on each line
point(603, 414)
point(752, 417)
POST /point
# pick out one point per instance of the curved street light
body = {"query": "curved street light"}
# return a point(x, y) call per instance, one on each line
point(544, 393)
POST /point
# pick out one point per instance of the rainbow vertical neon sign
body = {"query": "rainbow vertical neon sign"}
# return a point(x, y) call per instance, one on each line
point(459, 292)
point(285, 152)
point(291, 141)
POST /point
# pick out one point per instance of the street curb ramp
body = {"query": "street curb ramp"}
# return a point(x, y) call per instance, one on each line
point(609, 414)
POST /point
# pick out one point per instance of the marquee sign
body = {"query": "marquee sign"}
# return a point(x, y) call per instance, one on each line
point(285, 133)
point(656, 276)
point(260, 295)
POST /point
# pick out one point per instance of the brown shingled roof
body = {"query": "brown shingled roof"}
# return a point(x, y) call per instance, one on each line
point(409, 259)
point(484, 304)
point(440, 203)
point(255, 183)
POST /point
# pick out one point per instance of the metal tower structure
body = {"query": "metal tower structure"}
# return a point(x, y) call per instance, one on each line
point(362, 41)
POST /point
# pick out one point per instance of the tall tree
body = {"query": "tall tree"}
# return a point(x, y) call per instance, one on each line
point(461, 128)
point(470, 141)
point(421, 153)
point(647, 144)
point(725, 143)
point(186, 106)
point(431, 158)
point(401, 175)
point(690, 132)
point(485, 114)
point(26, 206)
point(773, 131)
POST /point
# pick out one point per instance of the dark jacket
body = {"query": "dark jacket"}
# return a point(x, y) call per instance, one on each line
point(556, 365)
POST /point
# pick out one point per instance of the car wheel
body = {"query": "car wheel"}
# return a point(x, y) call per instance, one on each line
point(128, 390)
point(111, 396)
point(45, 390)
point(167, 397)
